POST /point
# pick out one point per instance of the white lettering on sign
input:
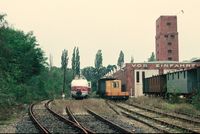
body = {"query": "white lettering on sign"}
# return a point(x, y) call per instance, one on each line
point(165, 65)
point(157, 65)
point(171, 65)
point(140, 65)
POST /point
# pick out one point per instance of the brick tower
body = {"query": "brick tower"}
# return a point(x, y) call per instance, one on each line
point(167, 39)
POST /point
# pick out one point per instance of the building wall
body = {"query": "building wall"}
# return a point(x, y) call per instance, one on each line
point(166, 39)
point(128, 73)
point(139, 84)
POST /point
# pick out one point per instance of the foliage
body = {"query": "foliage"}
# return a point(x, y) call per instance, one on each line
point(20, 55)
point(89, 73)
point(152, 57)
point(98, 60)
point(111, 68)
point(93, 75)
point(196, 100)
point(132, 59)
point(50, 61)
point(23, 75)
point(120, 61)
point(64, 59)
point(3, 22)
point(76, 62)
point(64, 63)
point(174, 98)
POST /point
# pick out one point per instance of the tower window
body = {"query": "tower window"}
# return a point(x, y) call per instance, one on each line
point(172, 36)
point(168, 23)
point(169, 51)
point(169, 58)
point(166, 36)
point(169, 43)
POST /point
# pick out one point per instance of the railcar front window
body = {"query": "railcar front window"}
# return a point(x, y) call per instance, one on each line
point(115, 84)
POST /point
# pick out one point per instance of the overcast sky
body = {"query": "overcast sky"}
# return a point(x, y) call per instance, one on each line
point(109, 25)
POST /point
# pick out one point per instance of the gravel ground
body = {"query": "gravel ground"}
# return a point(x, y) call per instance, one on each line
point(20, 124)
point(26, 126)
point(140, 127)
point(9, 128)
point(94, 124)
point(98, 105)
point(52, 123)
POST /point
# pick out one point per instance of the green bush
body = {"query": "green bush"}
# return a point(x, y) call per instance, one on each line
point(174, 98)
point(196, 100)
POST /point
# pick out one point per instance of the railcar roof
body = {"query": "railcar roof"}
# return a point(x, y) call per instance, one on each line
point(108, 78)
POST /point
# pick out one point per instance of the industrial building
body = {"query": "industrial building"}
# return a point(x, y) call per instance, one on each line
point(167, 56)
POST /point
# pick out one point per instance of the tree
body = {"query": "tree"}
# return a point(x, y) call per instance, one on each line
point(98, 60)
point(152, 57)
point(64, 63)
point(22, 62)
point(21, 57)
point(77, 62)
point(120, 61)
point(74, 61)
point(3, 22)
point(89, 73)
point(110, 68)
point(132, 59)
point(50, 61)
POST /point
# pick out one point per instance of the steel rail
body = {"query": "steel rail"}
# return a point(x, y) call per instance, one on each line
point(116, 126)
point(73, 118)
point(146, 123)
point(165, 114)
point(36, 122)
point(67, 121)
point(160, 121)
point(112, 107)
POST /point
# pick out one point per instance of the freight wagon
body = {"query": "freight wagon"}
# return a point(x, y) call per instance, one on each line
point(185, 82)
point(155, 85)
point(111, 88)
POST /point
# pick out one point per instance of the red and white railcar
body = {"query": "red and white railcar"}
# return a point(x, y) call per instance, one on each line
point(80, 87)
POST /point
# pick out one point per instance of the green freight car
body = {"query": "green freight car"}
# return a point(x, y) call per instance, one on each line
point(183, 82)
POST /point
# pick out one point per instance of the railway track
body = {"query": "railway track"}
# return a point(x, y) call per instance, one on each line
point(158, 128)
point(189, 115)
point(163, 123)
point(94, 123)
point(178, 116)
point(47, 121)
